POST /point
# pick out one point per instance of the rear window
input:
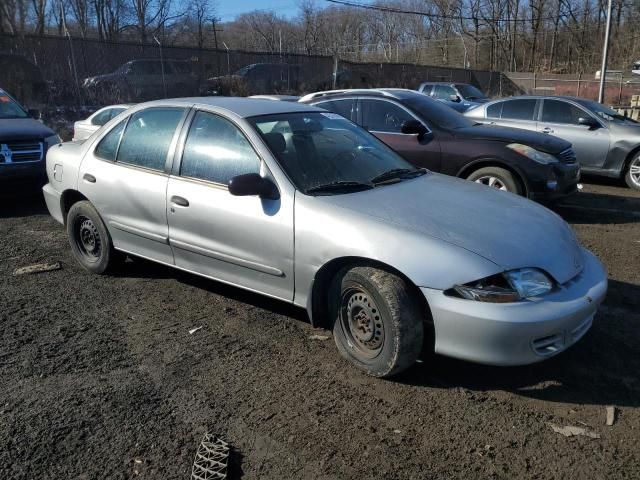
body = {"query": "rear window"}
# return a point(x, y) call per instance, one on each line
point(522, 109)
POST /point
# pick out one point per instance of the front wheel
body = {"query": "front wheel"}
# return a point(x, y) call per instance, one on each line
point(378, 322)
point(632, 177)
point(496, 177)
point(90, 241)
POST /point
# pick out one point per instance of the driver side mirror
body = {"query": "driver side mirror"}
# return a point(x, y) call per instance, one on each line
point(414, 127)
point(34, 113)
point(589, 122)
point(455, 98)
point(253, 184)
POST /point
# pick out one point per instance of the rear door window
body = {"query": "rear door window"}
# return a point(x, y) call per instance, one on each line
point(146, 140)
point(383, 116)
point(495, 110)
point(521, 109)
point(341, 107)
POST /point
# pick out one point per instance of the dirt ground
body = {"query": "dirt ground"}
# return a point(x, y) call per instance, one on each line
point(100, 378)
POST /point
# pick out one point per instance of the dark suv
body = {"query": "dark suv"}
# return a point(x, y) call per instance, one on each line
point(143, 79)
point(459, 96)
point(431, 135)
point(23, 142)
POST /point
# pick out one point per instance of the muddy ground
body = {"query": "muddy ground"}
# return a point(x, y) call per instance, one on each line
point(99, 377)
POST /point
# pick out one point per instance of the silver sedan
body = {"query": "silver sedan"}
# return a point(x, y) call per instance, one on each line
point(605, 142)
point(300, 204)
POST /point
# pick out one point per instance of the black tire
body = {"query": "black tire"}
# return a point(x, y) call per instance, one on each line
point(90, 240)
point(502, 176)
point(378, 322)
point(632, 175)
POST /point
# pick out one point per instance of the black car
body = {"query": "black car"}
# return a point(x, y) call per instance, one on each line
point(23, 142)
point(431, 135)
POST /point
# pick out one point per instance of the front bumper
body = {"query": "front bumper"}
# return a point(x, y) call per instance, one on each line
point(518, 333)
point(23, 171)
point(561, 180)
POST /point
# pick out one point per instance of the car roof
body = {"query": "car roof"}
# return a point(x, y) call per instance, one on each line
point(550, 97)
point(243, 107)
point(395, 93)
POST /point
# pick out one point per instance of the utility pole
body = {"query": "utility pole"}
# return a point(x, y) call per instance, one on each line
point(215, 42)
point(605, 54)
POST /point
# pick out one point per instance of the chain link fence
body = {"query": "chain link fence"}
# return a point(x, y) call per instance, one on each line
point(73, 72)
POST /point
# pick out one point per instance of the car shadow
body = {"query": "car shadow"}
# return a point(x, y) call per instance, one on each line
point(599, 208)
point(603, 368)
point(22, 201)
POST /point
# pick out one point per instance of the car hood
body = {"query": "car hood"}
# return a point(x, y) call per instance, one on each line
point(23, 129)
point(539, 141)
point(508, 230)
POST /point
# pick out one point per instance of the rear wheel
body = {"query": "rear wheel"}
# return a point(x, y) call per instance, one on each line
point(632, 177)
point(498, 178)
point(378, 323)
point(89, 238)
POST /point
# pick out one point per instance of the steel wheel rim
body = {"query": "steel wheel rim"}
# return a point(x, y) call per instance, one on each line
point(361, 322)
point(88, 239)
point(634, 171)
point(492, 182)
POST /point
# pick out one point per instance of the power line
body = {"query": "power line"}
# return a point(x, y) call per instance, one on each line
point(438, 16)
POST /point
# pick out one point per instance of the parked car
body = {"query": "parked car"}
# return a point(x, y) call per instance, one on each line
point(428, 134)
point(143, 79)
point(281, 98)
point(459, 96)
point(24, 141)
point(606, 143)
point(84, 128)
point(299, 204)
point(257, 78)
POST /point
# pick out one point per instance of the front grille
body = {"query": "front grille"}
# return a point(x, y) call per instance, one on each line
point(21, 151)
point(567, 156)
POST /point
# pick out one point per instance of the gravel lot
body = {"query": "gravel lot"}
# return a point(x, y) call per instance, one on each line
point(99, 377)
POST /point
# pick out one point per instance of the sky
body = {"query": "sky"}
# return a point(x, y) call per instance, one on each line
point(229, 9)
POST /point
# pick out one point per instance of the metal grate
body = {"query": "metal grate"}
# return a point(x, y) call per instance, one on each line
point(211, 459)
point(21, 152)
point(567, 156)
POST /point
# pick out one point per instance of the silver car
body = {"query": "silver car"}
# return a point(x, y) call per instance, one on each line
point(302, 205)
point(606, 143)
point(83, 129)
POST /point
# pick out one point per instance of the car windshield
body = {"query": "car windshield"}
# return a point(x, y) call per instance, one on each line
point(436, 113)
point(9, 108)
point(470, 92)
point(605, 112)
point(324, 153)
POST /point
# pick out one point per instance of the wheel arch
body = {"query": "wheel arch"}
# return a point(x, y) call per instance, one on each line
point(317, 304)
point(465, 171)
point(630, 156)
point(67, 199)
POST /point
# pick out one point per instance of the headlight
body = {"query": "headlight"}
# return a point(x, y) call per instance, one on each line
point(533, 154)
point(507, 287)
point(53, 140)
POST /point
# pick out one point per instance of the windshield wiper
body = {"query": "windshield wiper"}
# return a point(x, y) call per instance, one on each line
point(398, 173)
point(339, 186)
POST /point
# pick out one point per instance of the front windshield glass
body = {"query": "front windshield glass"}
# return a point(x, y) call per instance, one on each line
point(9, 108)
point(470, 92)
point(605, 112)
point(436, 113)
point(320, 150)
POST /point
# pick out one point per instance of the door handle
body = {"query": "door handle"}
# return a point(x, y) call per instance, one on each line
point(87, 177)
point(180, 201)
point(547, 130)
